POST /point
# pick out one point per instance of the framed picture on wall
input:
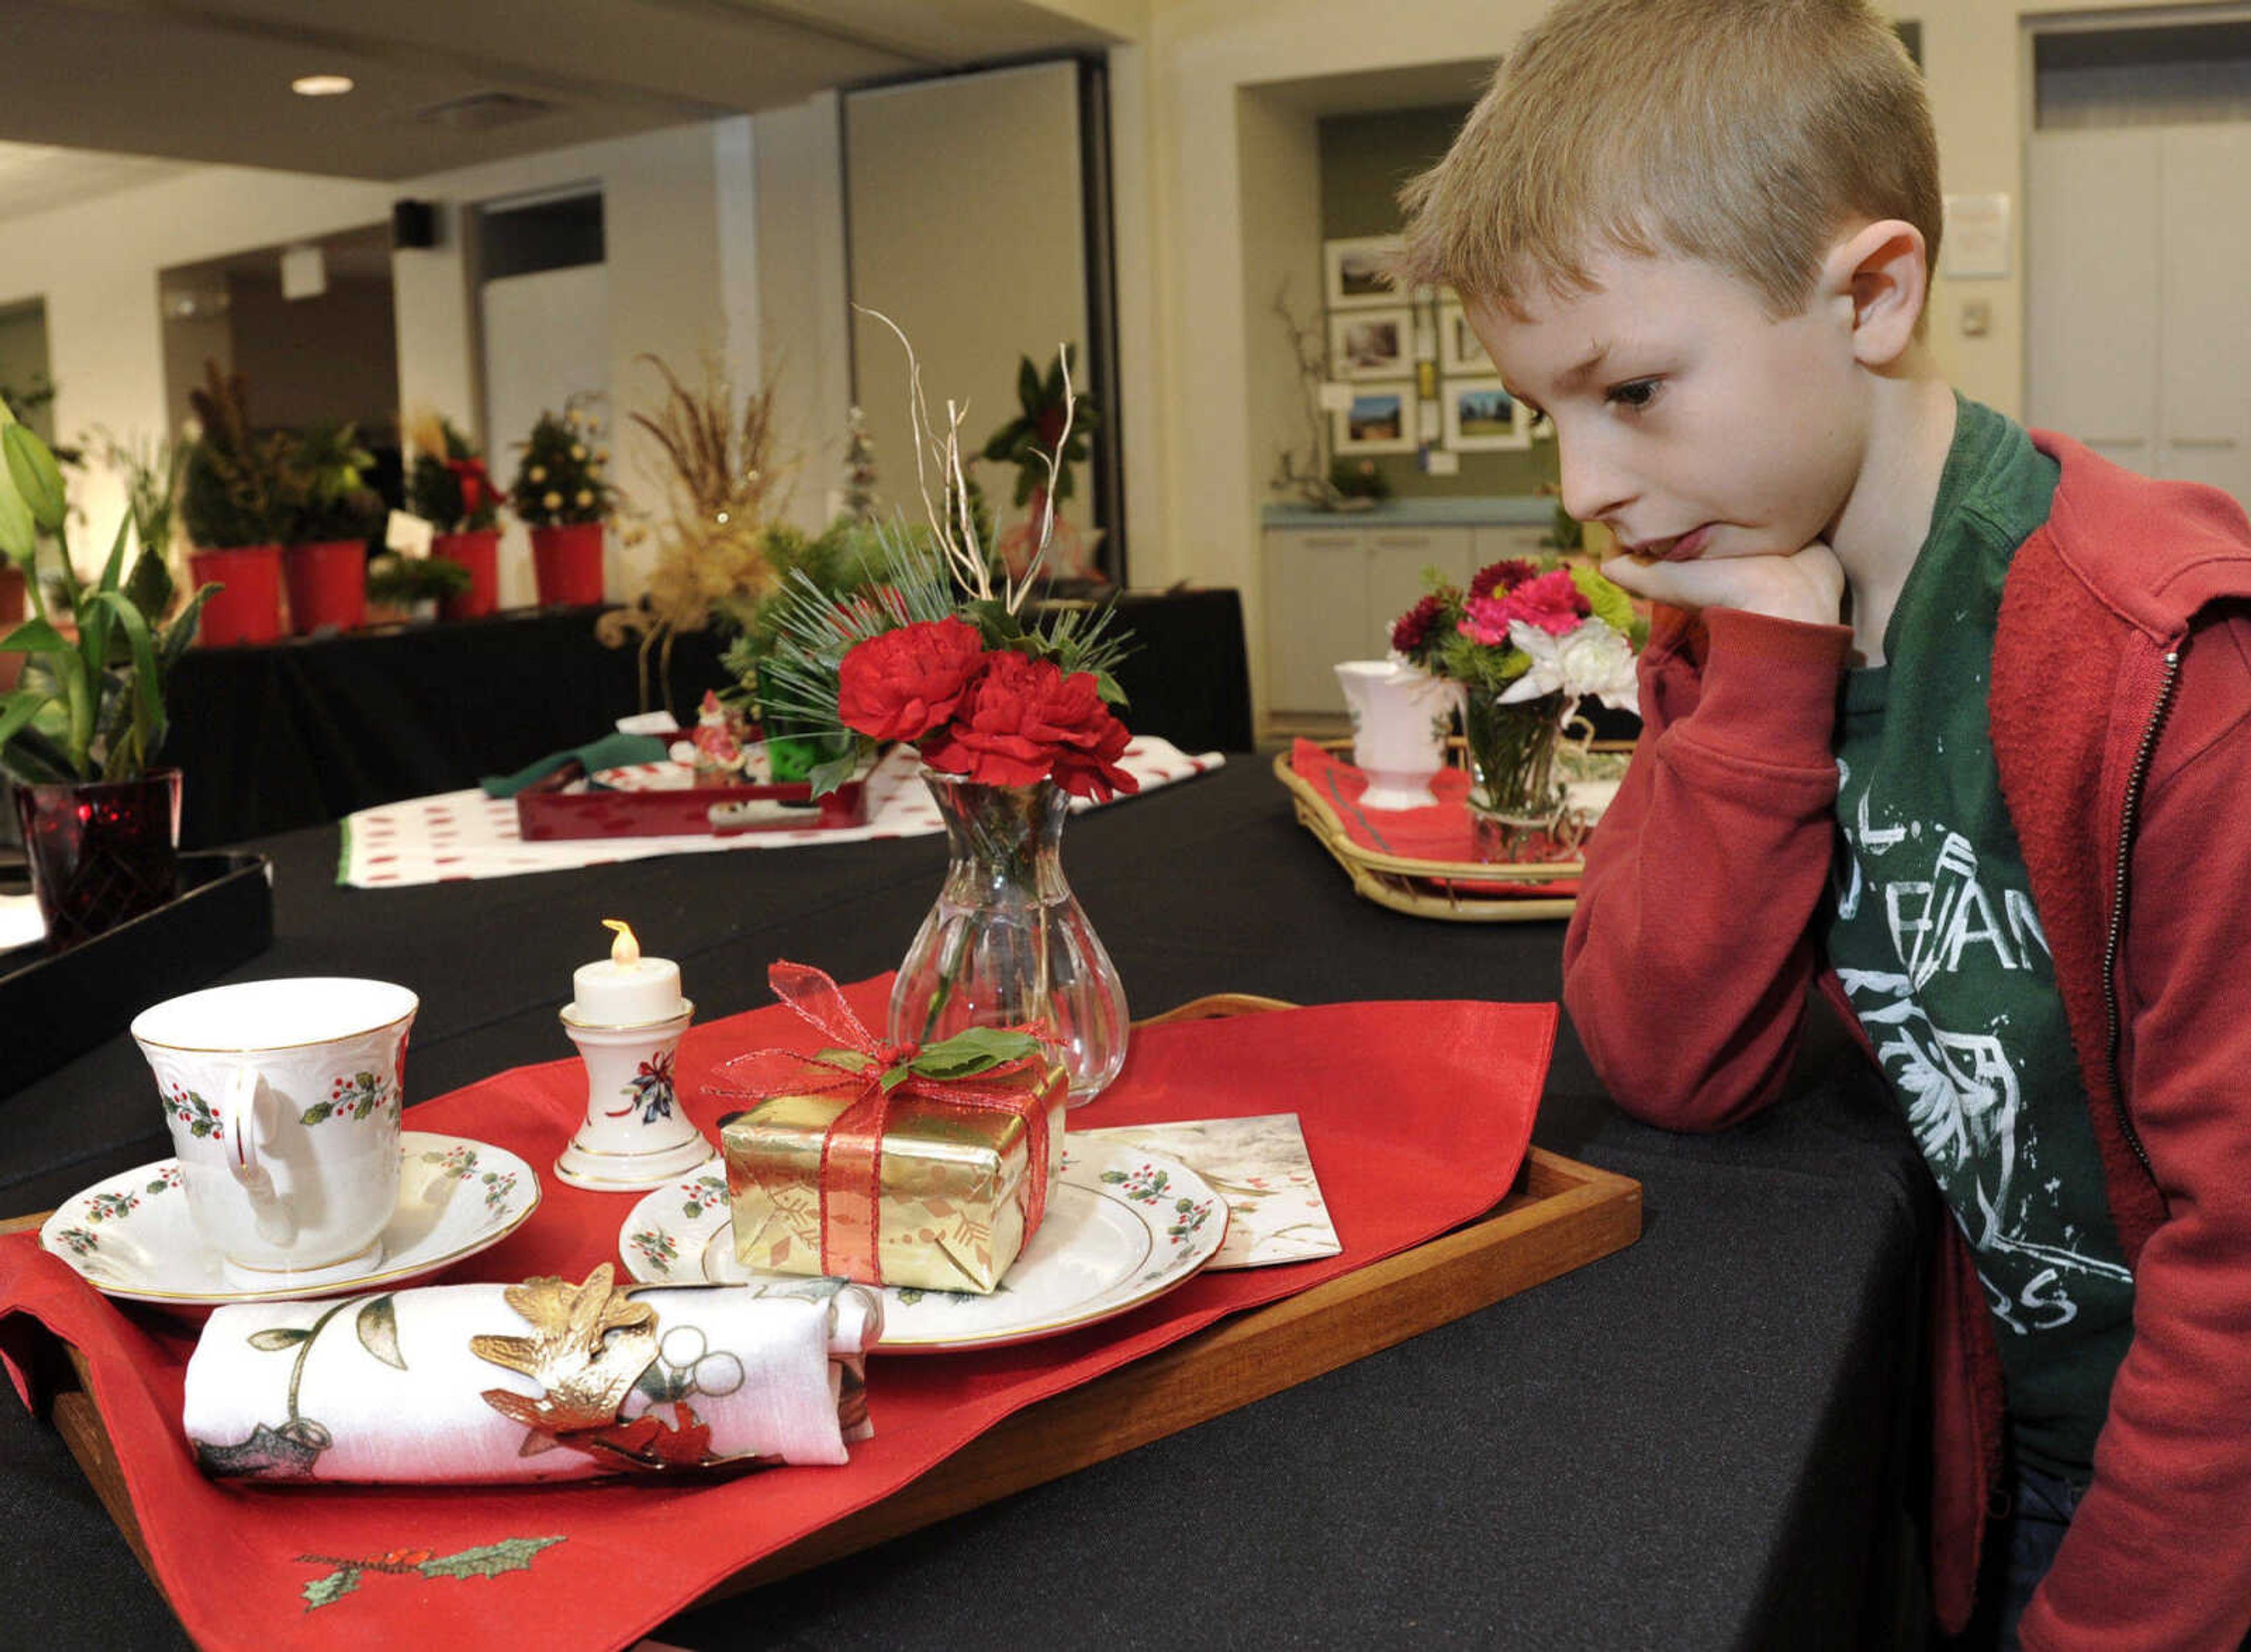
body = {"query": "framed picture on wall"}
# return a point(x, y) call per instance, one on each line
point(1372, 344)
point(1381, 419)
point(1354, 272)
point(1482, 416)
point(1459, 349)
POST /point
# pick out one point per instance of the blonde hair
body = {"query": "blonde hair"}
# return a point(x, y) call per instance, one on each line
point(1745, 133)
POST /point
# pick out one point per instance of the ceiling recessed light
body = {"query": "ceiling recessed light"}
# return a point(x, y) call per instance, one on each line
point(320, 86)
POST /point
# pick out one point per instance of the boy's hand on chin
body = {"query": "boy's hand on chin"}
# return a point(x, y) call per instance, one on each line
point(1807, 585)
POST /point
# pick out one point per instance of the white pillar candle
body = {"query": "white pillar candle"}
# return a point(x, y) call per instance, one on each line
point(626, 989)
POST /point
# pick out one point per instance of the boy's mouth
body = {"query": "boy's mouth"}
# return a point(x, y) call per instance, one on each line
point(1679, 548)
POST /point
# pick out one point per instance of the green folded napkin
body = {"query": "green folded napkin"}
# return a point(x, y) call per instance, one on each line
point(612, 751)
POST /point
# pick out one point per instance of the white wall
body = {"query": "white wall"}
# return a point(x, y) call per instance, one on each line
point(799, 290)
point(665, 195)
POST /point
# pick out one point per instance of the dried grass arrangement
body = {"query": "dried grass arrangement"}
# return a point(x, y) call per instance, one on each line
point(724, 487)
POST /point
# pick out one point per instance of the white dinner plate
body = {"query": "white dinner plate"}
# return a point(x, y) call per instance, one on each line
point(130, 1236)
point(1124, 1225)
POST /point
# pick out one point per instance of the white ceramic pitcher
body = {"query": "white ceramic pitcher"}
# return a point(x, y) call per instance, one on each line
point(1400, 720)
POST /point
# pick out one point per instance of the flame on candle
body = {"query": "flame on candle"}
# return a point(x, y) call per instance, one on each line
point(625, 949)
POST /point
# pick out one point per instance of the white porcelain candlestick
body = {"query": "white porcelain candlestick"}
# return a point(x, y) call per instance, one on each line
point(627, 1017)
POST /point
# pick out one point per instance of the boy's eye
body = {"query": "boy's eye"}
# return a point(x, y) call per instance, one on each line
point(1634, 395)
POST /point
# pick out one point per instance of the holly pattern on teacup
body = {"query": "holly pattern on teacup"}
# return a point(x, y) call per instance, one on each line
point(353, 1097)
point(193, 1111)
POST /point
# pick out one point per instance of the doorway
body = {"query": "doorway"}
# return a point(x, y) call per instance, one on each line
point(2138, 226)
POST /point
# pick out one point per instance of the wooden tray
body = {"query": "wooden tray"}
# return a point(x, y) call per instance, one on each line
point(1560, 1215)
point(1461, 891)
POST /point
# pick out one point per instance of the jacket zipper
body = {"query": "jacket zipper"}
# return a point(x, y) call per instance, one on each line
point(2128, 817)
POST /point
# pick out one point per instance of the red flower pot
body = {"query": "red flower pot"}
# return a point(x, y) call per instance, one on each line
point(11, 595)
point(100, 852)
point(566, 563)
point(480, 553)
point(248, 606)
point(327, 586)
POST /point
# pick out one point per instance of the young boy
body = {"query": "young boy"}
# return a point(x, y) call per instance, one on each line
point(1950, 720)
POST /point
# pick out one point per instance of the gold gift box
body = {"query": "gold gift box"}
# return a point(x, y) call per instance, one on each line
point(953, 1192)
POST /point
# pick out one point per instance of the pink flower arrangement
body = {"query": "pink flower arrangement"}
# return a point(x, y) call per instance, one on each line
point(1550, 601)
point(1504, 631)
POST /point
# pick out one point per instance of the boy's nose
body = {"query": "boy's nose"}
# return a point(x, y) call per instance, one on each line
point(1594, 487)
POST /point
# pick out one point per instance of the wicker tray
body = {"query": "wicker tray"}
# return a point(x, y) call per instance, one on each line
point(1461, 891)
point(1561, 1215)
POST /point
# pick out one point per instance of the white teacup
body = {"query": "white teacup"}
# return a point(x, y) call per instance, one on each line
point(1400, 718)
point(283, 1099)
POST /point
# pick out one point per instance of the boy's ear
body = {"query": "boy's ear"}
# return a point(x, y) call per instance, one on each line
point(1884, 270)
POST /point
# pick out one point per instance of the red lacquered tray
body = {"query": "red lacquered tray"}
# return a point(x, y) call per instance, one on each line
point(679, 812)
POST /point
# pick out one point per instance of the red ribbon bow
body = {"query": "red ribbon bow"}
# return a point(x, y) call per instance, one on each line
point(852, 1147)
point(476, 481)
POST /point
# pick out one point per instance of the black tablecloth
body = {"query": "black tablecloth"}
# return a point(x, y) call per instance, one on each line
point(1703, 1440)
point(300, 732)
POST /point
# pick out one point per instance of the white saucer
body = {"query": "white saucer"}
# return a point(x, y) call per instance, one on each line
point(130, 1236)
point(1124, 1225)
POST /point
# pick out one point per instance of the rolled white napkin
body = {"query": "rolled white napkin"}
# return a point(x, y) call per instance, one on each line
point(391, 1387)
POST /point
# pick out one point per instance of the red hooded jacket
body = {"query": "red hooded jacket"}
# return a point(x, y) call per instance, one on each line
point(2120, 715)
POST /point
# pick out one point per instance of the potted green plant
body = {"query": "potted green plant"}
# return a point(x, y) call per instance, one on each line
point(411, 588)
point(450, 489)
point(564, 498)
point(79, 730)
point(233, 504)
point(1044, 440)
point(331, 514)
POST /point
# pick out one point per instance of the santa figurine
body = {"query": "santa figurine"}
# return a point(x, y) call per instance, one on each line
point(717, 741)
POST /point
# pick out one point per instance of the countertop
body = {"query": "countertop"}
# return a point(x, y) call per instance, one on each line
point(1435, 511)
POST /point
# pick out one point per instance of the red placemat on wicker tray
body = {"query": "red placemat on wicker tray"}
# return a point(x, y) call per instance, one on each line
point(1428, 860)
point(1442, 833)
point(1416, 1116)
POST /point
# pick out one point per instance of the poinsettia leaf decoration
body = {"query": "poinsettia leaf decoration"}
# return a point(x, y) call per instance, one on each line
point(328, 1591)
point(589, 1345)
point(489, 1560)
point(971, 1051)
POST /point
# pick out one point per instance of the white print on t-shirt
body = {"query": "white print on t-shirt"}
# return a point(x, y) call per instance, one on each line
point(1962, 1091)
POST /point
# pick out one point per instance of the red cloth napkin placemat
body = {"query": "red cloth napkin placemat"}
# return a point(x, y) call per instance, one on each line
point(1442, 831)
point(1416, 1115)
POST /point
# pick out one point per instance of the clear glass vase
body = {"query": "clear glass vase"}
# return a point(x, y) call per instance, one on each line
point(1007, 943)
point(1516, 795)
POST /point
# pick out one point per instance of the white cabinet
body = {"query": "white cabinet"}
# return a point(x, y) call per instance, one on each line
point(1332, 595)
point(1526, 542)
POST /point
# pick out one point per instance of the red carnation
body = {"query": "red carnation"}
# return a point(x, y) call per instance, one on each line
point(898, 685)
point(1023, 721)
point(1500, 576)
point(1412, 629)
point(1553, 601)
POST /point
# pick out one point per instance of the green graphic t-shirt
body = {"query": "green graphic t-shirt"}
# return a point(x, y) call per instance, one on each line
point(1934, 937)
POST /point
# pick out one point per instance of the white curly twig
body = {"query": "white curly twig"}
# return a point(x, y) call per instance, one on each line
point(952, 520)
